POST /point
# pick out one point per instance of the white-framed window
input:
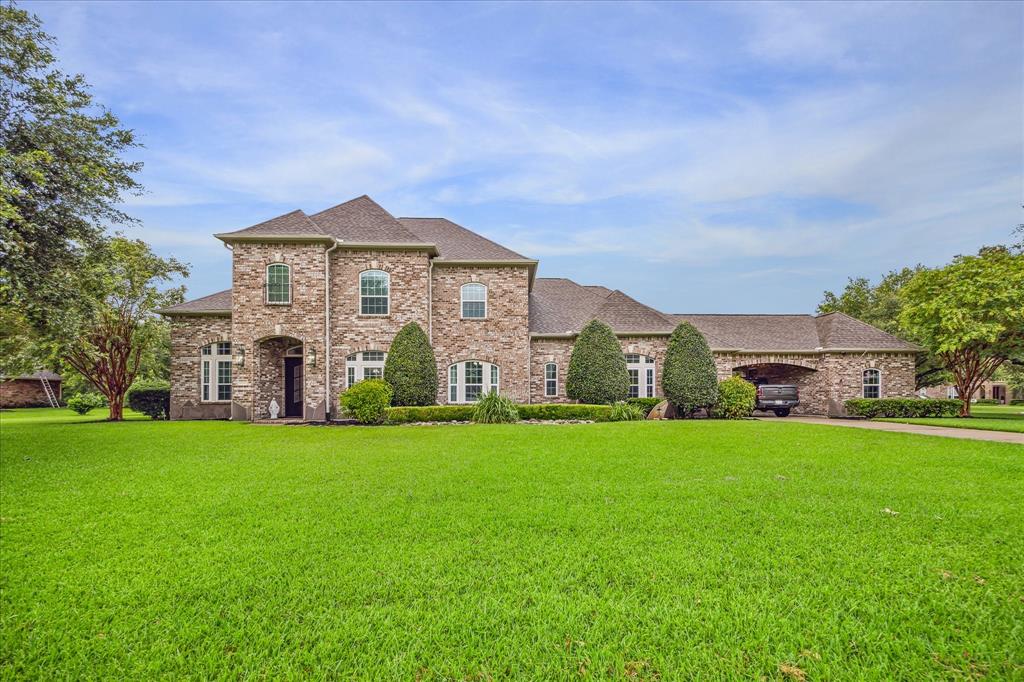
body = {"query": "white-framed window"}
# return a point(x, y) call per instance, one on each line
point(366, 365)
point(641, 375)
point(215, 372)
point(279, 284)
point(374, 292)
point(470, 380)
point(952, 393)
point(872, 383)
point(550, 380)
point(474, 301)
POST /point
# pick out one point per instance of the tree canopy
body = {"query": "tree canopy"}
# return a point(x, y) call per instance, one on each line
point(970, 314)
point(62, 174)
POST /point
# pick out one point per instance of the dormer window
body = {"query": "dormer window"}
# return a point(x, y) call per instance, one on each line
point(279, 284)
point(374, 292)
point(474, 301)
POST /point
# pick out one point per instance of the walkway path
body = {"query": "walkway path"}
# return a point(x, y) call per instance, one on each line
point(948, 432)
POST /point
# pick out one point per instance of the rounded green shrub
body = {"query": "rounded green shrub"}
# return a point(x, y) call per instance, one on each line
point(737, 398)
point(411, 368)
point(83, 403)
point(689, 378)
point(597, 368)
point(367, 401)
point(151, 398)
point(645, 404)
point(495, 408)
point(626, 412)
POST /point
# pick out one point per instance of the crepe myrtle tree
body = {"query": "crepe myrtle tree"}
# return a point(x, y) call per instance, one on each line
point(970, 314)
point(108, 329)
point(689, 378)
point(597, 368)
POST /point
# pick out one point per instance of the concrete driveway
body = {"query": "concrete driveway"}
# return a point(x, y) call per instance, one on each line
point(969, 434)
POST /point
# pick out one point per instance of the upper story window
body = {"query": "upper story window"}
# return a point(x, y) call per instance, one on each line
point(215, 371)
point(279, 283)
point(471, 380)
point(374, 292)
point(474, 301)
point(641, 375)
point(550, 380)
point(366, 365)
point(872, 383)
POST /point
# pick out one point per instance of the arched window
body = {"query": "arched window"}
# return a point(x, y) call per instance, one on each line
point(470, 380)
point(550, 380)
point(872, 383)
point(366, 365)
point(641, 375)
point(279, 284)
point(474, 301)
point(215, 372)
point(374, 292)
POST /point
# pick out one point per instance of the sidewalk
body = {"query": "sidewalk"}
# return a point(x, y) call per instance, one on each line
point(969, 434)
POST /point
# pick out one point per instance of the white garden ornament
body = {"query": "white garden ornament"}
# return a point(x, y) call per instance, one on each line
point(274, 408)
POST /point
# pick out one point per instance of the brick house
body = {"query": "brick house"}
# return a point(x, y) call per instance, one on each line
point(29, 390)
point(316, 300)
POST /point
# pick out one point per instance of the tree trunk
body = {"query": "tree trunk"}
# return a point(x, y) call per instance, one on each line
point(116, 410)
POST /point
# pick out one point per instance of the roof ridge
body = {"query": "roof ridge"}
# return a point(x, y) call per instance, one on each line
point(349, 201)
point(473, 232)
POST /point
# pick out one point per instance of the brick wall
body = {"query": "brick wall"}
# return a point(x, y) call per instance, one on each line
point(845, 376)
point(26, 393)
point(502, 338)
point(188, 336)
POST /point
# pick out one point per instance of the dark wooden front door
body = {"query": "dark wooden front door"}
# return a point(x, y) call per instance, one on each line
point(293, 387)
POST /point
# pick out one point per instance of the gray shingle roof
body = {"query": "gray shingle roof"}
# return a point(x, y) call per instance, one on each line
point(289, 224)
point(454, 242)
point(41, 374)
point(756, 332)
point(363, 220)
point(839, 330)
point(214, 303)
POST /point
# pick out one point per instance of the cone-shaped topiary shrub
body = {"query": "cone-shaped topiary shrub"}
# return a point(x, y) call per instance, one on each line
point(597, 368)
point(411, 369)
point(689, 378)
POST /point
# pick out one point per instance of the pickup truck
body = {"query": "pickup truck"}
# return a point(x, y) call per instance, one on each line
point(777, 398)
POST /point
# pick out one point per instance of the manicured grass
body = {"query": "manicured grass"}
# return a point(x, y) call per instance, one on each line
point(985, 417)
point(711, 550)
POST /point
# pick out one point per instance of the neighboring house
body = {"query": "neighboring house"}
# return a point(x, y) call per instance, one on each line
point(999, 391)
point(29, 390)
point(316, 300)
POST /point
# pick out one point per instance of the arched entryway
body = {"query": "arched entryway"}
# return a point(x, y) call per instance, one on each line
point(806, 379)
point(280, 378)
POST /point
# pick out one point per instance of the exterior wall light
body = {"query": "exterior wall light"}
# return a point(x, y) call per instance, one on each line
point(240, 356)
point(311, 357)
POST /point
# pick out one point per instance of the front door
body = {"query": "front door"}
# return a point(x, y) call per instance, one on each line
point(293, 387)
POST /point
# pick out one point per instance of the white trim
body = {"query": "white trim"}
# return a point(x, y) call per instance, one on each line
point(553, 394)
point(356, 366)
point(266, 283)
point(387, 276)
point(645, 374)
point(463, 301)
point(209, 372)
point(864, 384)
point(490, 380)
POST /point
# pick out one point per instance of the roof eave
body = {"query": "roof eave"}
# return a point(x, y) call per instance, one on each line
point(531, 263)
point(389, 246)
point(170, 312)
point(232, 237)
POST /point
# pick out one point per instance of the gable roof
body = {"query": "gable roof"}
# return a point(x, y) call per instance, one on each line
point(839, 330)
point(363, 220)
point(295, 223)
point(560, 306)
point(217, 303)
point(454, 242)
point(756, 332)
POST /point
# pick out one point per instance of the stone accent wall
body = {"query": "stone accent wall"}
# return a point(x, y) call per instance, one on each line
point(502, 338)
point(26, 393)
point(188, 336)
point(352, 332)
point(255, 321)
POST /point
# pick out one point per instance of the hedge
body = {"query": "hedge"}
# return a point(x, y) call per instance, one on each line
point(645, 404)
point(151, 398)
point(689, 378)
point(597, 372)
point(410, 368)
point(988, 401)
point(464, 413)
point(430, 413)
point(550, 411)
point(902, 407)
point(84, 403)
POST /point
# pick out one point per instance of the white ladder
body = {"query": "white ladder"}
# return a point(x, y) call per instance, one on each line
point(50, 396)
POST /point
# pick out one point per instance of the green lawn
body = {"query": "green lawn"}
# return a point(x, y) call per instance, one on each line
point(639, 550)
point(985, 417)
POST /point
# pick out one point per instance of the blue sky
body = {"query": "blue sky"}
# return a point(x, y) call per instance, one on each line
point(700, 157)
